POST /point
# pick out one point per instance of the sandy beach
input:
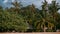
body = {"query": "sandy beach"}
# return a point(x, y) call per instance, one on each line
point(35, 33)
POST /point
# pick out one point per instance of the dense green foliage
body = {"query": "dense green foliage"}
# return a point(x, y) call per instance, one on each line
point(11, 21)
point(29, 18)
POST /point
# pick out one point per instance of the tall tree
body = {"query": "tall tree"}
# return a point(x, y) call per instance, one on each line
point(17, 6)
point(53, 8)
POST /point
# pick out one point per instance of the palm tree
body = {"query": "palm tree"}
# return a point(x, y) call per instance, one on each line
point(53, 9)
point(45, 18)
point(17, 6)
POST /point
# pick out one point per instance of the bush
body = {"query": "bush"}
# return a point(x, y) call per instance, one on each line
point(10, 21)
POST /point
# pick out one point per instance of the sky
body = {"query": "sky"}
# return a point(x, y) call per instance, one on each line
point(37, 3)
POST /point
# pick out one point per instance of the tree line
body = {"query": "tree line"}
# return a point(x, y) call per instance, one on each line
point(30, 18)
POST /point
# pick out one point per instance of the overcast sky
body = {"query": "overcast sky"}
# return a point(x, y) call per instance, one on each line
point(7, 3)
point(37, 3)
